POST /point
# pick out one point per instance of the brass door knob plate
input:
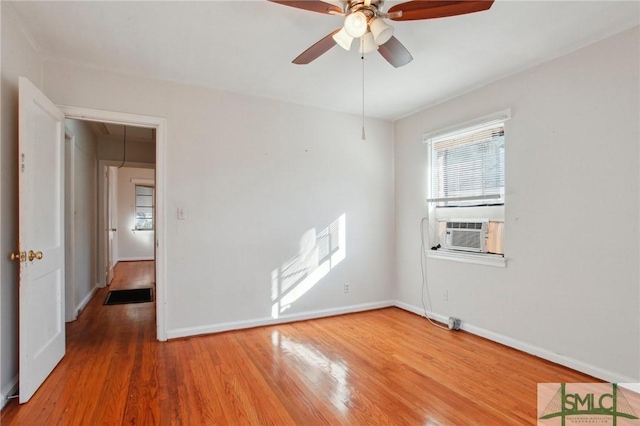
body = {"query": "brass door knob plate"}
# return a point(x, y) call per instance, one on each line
point(19, 256)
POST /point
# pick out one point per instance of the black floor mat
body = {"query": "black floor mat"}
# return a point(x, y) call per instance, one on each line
point(137, 295)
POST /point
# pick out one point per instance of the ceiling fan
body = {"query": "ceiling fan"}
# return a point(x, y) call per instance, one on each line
point(364, 19)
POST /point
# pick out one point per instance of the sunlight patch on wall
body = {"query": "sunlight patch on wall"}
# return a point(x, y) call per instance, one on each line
point(319, 253)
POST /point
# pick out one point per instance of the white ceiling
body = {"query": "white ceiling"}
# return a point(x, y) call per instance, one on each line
point(246, 46)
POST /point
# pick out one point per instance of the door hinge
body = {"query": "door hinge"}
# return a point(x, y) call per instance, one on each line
point(22, 162)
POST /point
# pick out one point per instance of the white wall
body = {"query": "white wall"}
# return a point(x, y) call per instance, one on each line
point(254, 176)
point(570, 290)
point(85, 199)
point(19, 58)
point(132, 245)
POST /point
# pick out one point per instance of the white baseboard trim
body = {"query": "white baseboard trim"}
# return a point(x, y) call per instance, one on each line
point(583, 367)
point(134, 259)
point(260, 322)
point(8, 390)
point(420, 311)
point(84, 302)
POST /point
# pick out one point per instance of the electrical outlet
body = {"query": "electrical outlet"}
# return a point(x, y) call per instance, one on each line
point(346, 287)
point(445, 295)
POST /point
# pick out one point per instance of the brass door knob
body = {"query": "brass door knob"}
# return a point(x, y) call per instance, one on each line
point(19, 256)
point(35, 255)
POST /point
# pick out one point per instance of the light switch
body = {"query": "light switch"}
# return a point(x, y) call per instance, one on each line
point(182, 213)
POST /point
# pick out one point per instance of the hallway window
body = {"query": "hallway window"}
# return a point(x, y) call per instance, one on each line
point(144, 207)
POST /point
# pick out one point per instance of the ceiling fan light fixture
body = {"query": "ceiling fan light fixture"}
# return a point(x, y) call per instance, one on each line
point(343, 39)
point(367, 43)
point(355, 24)
point(381, 31)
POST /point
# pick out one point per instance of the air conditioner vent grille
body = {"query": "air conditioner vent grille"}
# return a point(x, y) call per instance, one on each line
point(467, 236)
point(464, 225)
point(469, 240)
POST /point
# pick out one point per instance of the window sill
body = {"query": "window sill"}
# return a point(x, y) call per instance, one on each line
point(477, 258)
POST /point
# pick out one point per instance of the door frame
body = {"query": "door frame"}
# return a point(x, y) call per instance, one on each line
point(160, 125)
point(70, 313)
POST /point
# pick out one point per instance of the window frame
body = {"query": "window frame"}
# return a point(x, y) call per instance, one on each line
point(136, 206)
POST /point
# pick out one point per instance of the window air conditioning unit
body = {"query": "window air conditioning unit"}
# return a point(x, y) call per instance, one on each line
point(471, 235)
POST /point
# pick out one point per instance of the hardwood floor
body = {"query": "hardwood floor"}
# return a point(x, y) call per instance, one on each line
point(379, 367)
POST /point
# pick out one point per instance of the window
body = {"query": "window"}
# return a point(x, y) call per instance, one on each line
point(467, 168)
point(467, 186)
point(144, 207)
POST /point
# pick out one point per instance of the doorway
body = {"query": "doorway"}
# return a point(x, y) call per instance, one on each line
point(128, 200)
point(158, 126)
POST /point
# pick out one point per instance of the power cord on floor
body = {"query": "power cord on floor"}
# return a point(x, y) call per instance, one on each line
point(425, 287)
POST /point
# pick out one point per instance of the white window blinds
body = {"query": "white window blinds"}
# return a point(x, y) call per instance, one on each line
point(467, 166)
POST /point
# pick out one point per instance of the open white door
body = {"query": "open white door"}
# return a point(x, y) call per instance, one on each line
point(41, 238)
point(112, 219)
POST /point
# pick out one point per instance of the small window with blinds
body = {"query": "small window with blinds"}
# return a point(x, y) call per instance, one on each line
point(467, 166)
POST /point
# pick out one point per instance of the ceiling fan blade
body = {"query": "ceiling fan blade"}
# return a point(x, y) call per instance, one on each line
point(430, 9)
point(312, 5)
point(316, 50)
point(395, 53)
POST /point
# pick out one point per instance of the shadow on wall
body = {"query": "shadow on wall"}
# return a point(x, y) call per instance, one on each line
point(319, 253)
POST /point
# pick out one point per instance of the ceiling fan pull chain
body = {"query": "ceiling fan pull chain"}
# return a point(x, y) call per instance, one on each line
point(362, 57)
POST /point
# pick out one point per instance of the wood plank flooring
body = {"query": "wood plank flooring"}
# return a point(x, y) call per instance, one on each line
point(380, 367)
